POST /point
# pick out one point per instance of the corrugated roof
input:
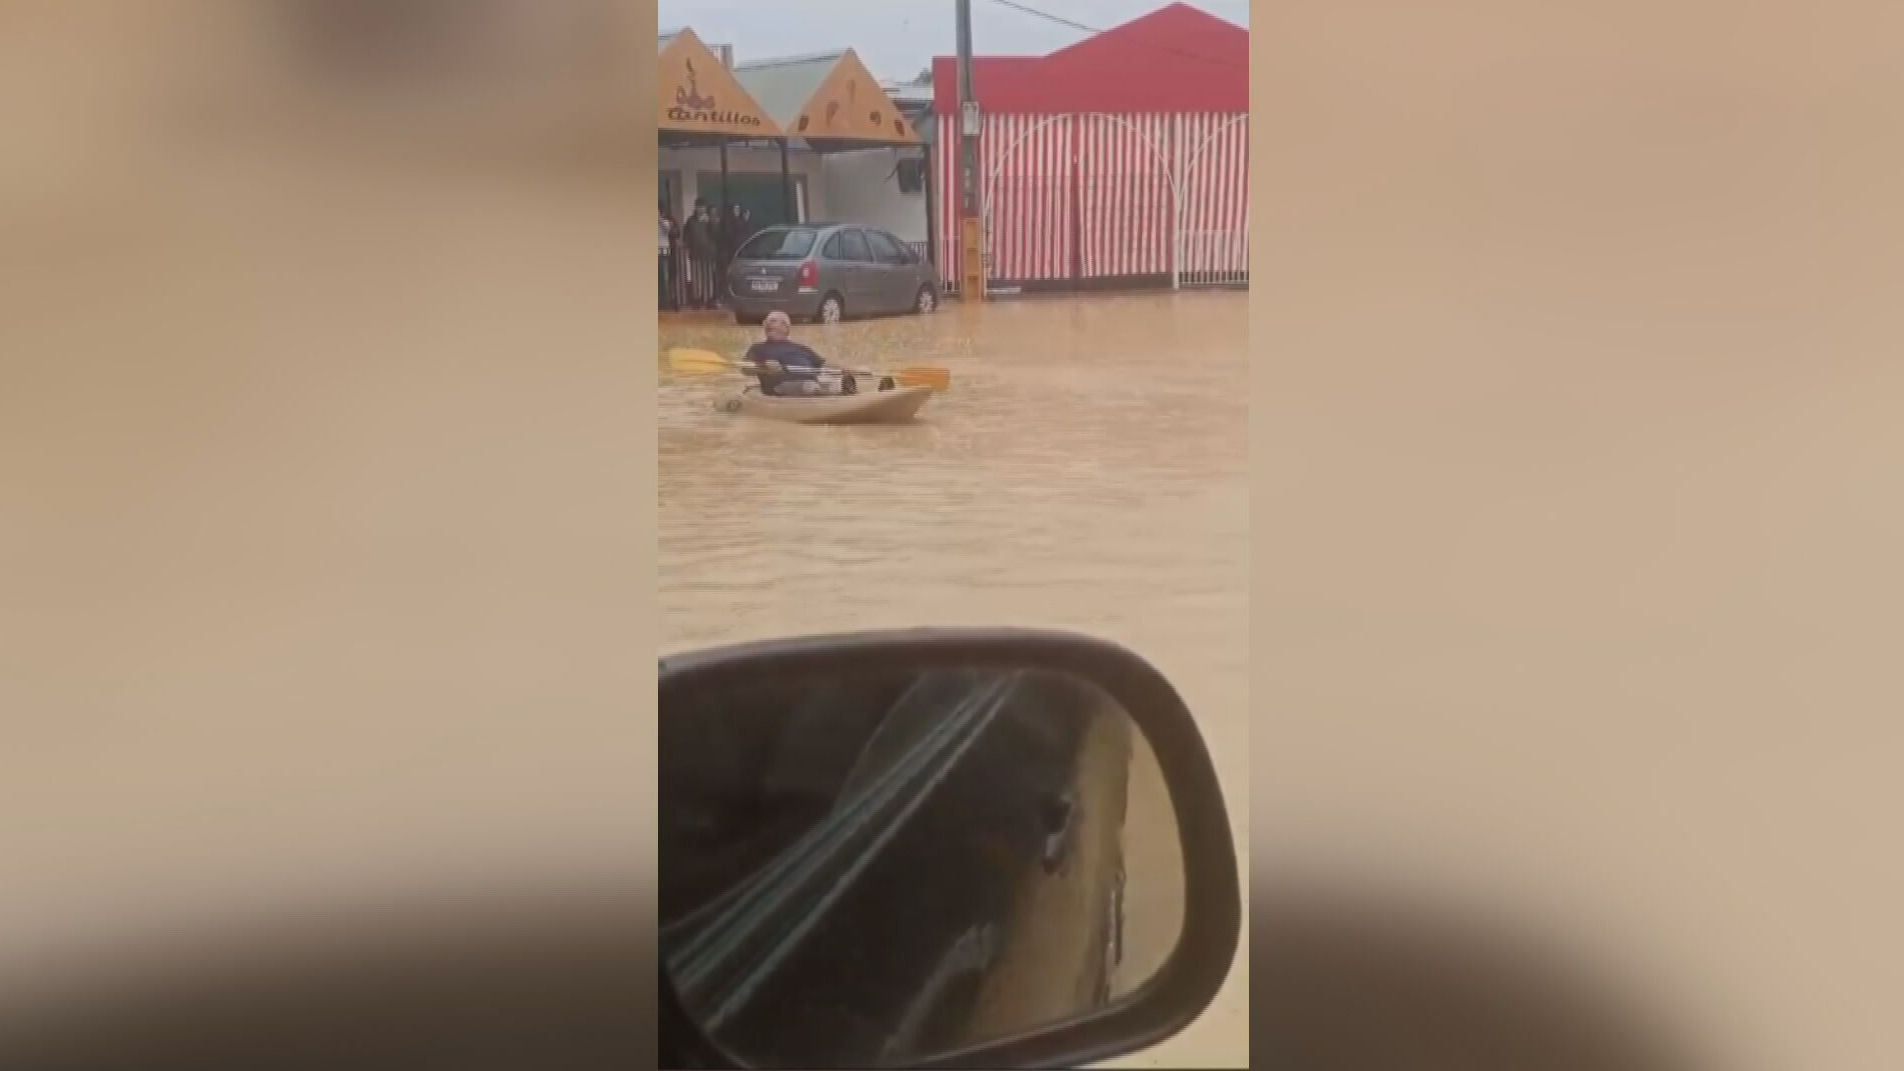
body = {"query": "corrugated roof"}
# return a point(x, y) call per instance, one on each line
point(830, 55)
point(783, 86)
point(907, 92)
point(826, 97)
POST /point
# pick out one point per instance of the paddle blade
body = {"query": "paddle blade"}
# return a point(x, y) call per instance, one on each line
point(936, 378)
point(698, 362)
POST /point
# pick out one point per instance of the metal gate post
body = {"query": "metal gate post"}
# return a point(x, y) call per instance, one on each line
point(1176, 203)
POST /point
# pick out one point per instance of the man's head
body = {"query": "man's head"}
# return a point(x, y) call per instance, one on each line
point(778, 324)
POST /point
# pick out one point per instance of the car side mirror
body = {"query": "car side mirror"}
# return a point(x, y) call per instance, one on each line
point(935, 848)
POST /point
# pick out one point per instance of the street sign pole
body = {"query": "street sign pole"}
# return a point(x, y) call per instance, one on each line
point(971, 211)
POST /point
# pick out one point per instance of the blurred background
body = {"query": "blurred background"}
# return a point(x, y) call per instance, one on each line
point(1577, 504)
point(324, 563)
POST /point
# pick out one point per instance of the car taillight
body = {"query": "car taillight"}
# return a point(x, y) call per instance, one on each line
point(809, 274)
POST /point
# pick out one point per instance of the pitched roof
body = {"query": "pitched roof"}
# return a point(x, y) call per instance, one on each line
point(699, 95)
point(784, 85)
point(829, 97)
point(1190, 31)
point(1176, 59)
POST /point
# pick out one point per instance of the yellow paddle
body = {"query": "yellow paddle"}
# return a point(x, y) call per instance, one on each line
point(709, 363)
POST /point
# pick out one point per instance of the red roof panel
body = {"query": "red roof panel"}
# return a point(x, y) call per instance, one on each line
point(1175, 59)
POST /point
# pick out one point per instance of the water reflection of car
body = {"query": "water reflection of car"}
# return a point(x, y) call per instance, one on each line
point(794, 916)
point(827, 272)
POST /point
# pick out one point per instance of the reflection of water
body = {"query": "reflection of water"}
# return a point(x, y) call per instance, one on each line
point(1154, 885)
point(1086, 471)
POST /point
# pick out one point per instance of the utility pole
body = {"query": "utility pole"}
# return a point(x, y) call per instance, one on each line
point(971, 210)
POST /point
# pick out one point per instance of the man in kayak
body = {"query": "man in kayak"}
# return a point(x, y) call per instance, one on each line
point(786, 368)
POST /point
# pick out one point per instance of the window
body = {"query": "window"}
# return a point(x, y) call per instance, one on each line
point(832, 249)
point(853, 244)
point(889, 250)
point(777, 243)
point(911, 173)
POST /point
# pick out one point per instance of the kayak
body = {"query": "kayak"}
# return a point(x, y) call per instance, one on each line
point(894, 406)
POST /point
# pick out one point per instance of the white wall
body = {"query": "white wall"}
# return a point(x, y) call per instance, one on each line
point(861, 188)
point(689, 162)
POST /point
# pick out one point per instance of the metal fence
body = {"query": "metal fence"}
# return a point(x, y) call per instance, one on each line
point(686, 283)
point(1073, 200)
point(1213, 258)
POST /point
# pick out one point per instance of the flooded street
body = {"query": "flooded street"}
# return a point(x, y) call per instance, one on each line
point(1087, 471)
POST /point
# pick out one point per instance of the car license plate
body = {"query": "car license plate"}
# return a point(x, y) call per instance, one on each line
point(766, 284)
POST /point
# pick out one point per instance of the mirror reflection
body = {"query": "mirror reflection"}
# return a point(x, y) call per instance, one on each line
point(875, 868)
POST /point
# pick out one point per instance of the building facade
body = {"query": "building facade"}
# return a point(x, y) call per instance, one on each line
point(1121, 161)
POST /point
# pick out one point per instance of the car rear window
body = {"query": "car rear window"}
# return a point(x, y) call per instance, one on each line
point(790, 244)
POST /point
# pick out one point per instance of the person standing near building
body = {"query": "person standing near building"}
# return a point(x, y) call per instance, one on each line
point(740, 227)
point(724, 234)
point(664, 267)
point(703, 256)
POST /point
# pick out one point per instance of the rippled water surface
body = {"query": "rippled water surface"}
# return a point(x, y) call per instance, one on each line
point(1087, 470)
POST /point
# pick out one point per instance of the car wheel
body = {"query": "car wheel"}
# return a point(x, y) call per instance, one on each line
point(926, 302)
point(832, 310)
point(742, 317)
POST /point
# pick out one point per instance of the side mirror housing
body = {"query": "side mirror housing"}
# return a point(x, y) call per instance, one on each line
point(935, 848)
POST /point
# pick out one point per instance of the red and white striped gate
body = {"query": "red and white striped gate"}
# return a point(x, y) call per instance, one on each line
point(1148, 198)
point(1025, 172)
point(1213, 177)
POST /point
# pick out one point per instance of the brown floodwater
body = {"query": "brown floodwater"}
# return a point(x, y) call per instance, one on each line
point(1087, 470)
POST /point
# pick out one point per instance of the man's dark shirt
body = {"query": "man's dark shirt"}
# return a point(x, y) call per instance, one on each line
point(791, 355)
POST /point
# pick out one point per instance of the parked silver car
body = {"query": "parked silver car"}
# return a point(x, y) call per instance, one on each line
point(828, 271)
